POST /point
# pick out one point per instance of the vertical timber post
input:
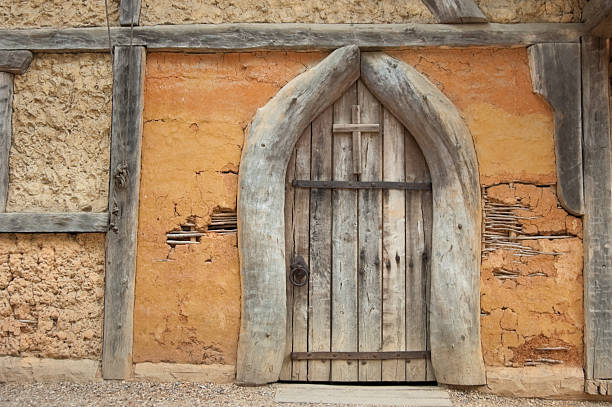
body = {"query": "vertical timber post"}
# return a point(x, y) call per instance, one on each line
point(598, 209)
point(126, 135)
point(6, 111)
point(11, 64)
point(129, 12)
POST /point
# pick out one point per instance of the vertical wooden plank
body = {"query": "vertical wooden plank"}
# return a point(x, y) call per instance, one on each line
point(129, 12)
point(319, 309)
point(344, 246)
point(6, 129)
point(370, 239)
point(301, 247)
point(416, 260)
point(598, 208)
point(394, 249)
point(285, 373)
point(126, 134)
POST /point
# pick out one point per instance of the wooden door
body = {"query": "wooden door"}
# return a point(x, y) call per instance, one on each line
point(358, 213)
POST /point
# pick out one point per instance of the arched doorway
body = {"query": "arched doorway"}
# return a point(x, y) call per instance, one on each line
point(447, 145)
point(358, 221)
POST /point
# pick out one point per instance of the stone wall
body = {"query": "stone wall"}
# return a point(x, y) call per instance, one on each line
point(345, 11)
point(51, 295)
point(57, 13)
point(59, 156)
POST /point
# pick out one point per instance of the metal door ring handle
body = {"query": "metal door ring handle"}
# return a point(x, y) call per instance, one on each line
point(299, 274)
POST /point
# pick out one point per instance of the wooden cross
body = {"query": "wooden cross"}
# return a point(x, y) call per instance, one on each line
point(356, 127)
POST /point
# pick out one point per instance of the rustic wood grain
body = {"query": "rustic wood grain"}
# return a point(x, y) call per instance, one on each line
point(286, 369)
point(126, 138)
point(320, 309)
point(455, 11)
point(129, 12)
point(598, 208)
point(266, 153)
point(597, 17)
point(301, 239)
point(455, 269)
point(344, 246)
point(16, 62)
point(369, 276)
point(74, 222)
point(416, 259)
point(555, 73)
point(394, 249)
point(259, 36)
point(6, 131)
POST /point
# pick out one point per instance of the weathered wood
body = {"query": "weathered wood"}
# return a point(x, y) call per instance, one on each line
point(455, 259)
point(74, 222)
point(394, 249)
point(355, 114)
point(598, 208)
point(126, 137)
point(597, 17)
point(255, 36)
point(286, 369)
point(361, 355)
point(266, 153)
point(344, 315)
point(319, 323)
point(129, 12)
point(6, 131)
point(455, 11)
point(417, 258)
point(16, 62)
point(414, 186)
point(301, 244)
point(555, 73)
point(369, 276)
point(349, 128)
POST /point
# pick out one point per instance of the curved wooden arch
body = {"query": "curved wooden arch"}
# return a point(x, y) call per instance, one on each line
point(449, 151)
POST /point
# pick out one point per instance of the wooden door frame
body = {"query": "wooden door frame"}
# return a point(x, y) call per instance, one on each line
point(449, 151)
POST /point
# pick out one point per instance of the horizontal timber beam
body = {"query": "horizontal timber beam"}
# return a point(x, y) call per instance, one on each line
point(15, 62)
point(70, 222)
point(256, 36)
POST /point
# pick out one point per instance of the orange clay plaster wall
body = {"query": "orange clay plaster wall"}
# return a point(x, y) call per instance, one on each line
point(197, 109)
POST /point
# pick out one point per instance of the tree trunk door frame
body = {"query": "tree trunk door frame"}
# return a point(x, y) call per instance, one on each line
point(448, 148)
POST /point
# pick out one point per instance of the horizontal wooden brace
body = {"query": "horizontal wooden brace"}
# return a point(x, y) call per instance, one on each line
point(348, 127)
point(71, 222)
point(404, 355)
point(258, 36)
point(414, 186)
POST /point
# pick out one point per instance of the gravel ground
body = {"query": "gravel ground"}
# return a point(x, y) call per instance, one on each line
point(191, 394)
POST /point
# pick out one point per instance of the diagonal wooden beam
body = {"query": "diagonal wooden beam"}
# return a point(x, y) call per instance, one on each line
point(455, 11)
point(597, 17)
point(555, 73)
point(126, 135)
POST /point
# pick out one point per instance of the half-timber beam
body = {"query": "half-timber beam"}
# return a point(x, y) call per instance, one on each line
point(126, 140)
point(247, 36)
point(597, 17)
point(598, 209)
point(71, 222)
point(555, 73)
point(455, 11)
point(16, 62)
